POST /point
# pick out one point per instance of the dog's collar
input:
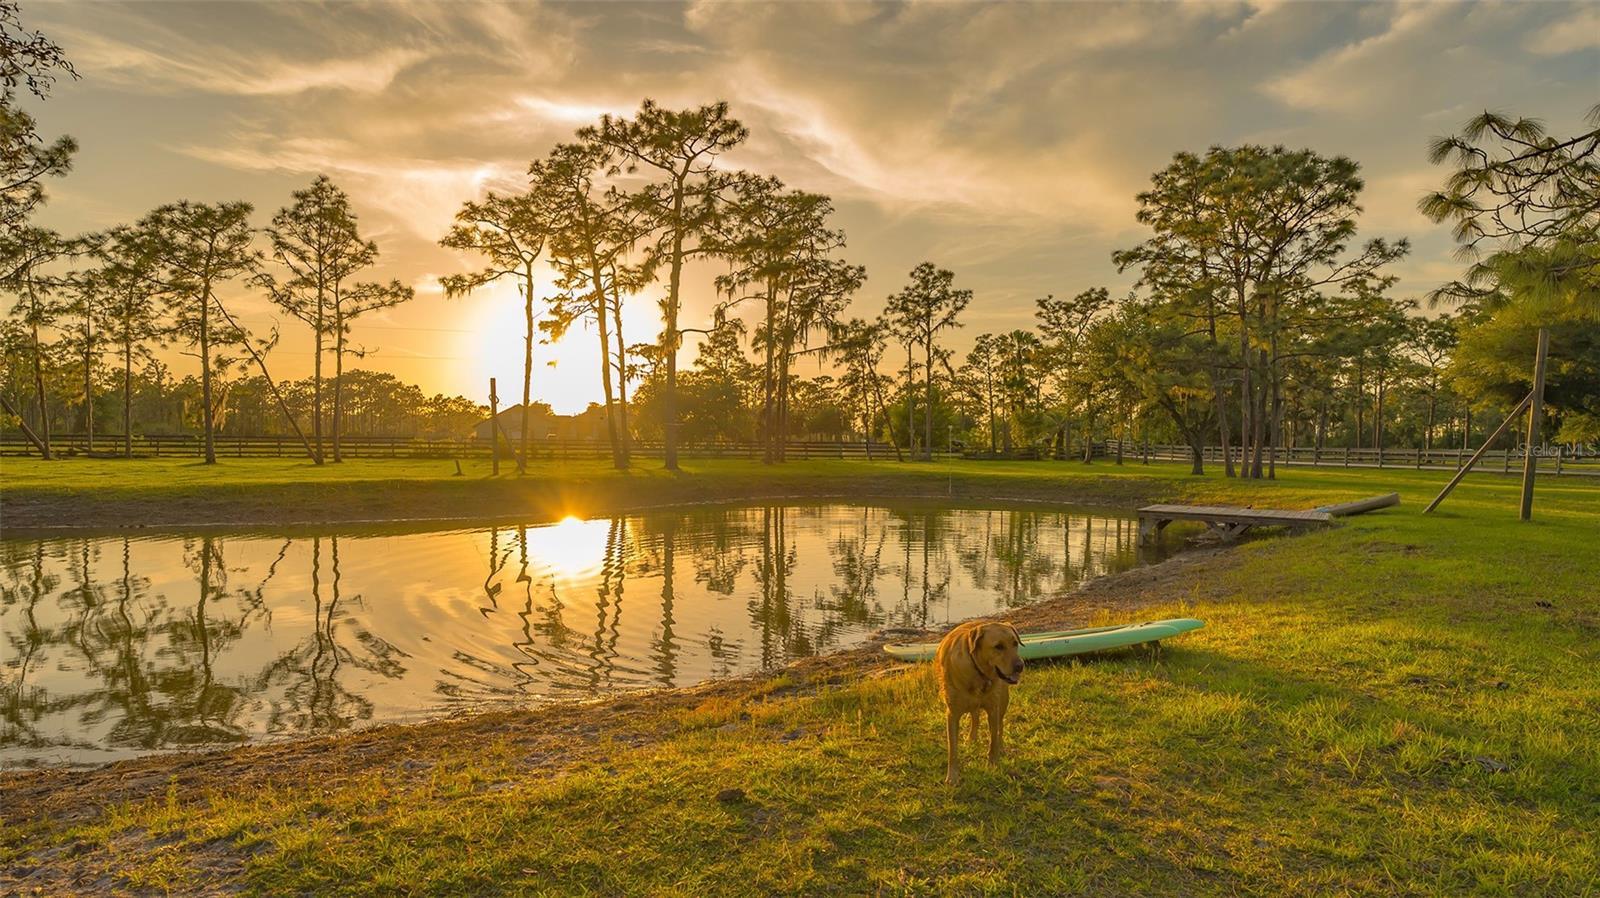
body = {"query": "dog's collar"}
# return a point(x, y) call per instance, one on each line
point(988, 679)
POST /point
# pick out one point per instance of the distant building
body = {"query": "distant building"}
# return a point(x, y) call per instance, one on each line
point(544, 424)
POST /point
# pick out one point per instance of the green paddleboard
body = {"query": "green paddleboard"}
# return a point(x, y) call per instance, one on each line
point(1068, 642)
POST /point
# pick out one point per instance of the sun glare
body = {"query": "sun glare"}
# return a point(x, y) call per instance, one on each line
point(572, 549)
point(566, 374)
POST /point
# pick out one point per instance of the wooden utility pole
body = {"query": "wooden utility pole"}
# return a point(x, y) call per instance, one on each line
point(494, 428)
point(1530, 460)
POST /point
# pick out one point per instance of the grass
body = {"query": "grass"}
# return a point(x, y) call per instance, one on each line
point(1402, 705)
point(166, 491)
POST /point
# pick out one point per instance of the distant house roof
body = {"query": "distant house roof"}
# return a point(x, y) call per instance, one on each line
point(543, 423)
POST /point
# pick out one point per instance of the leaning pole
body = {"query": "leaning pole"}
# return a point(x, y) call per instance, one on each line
point(1530, 460)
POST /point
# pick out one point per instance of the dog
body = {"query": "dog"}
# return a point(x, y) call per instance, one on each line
point(977, 664)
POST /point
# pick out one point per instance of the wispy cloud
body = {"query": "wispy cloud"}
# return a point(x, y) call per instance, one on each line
point(420, 195)
point(210, 71)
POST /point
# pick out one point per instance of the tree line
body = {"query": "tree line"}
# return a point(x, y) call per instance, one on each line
point(1257, 319)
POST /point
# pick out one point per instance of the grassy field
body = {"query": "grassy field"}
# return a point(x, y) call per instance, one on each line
point(144, 492)
point(1401, 705)
point(111, 493)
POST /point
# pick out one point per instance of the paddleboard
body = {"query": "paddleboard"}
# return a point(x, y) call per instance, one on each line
point(1068, 642)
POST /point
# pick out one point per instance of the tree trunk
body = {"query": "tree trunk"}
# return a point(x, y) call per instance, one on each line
point(338, 387)
point(1246, 391)
point(617, 460)
point(624, 435)
point(1427, 434)
point(927, 391)
point(1377, 420)
point(127, 400)
point(769, 451)
point(989, 384)
point(207, 417)
point(527, 367)
point(38, 389)
point(783, 408)
point(317, 331)
point(88, 379)
point(1361, 405)
point(877, 387)
point(911, 414)
point(23, 423)
point(669, 333)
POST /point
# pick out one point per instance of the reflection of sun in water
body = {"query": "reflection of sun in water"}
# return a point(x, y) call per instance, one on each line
point(572, 550)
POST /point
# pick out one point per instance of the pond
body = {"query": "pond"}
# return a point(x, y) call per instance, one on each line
point(119, 646)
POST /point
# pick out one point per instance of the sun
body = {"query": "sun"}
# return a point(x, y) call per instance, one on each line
point(566, 373)
point(572, 550)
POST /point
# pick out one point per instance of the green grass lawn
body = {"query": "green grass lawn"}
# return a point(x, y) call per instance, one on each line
point(1401, 705)
point(257, 488)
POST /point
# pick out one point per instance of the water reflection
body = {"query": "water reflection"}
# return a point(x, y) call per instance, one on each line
point(116, 646)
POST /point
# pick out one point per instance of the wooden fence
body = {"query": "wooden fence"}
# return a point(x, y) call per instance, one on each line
point(1554, 460)
point(185, 445)
point(1551, 460)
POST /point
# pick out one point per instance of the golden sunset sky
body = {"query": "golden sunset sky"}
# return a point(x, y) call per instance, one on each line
point(1005, 142)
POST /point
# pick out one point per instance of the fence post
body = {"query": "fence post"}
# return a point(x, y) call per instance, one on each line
point(1559, 449)
point(1347, 456)
point(1505, 462)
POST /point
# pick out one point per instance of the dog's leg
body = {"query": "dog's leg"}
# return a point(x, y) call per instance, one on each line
point(952, 722)
point(973, 735)
point(997, 726)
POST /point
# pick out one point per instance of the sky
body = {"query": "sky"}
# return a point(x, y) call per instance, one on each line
point(1006, 142)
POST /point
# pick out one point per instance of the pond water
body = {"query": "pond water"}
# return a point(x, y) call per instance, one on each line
point(118, 646)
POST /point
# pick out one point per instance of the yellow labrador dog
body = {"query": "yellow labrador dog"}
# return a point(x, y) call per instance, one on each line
point(977, 664)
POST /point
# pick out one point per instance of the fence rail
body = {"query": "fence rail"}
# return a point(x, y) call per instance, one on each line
point(185, 445)
point(1554, 460)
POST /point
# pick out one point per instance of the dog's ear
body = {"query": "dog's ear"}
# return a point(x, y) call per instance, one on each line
point(1015, 635)
point(974, 636)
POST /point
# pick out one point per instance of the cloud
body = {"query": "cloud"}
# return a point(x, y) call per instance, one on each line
point(1352, 76)
point(215, 72)
point(1004, 140)
point(1580, 31)
point(420, 195)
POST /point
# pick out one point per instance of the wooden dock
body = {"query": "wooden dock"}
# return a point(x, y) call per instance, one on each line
point(1231, 522)
point(1228, 521)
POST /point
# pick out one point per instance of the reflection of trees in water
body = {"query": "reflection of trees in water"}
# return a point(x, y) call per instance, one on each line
point(772, 614)
point(312, 695)
point(925, 568)
point(26, 586)
point(857, 565)
point(1008, 559)
point(149, 668)
point(602, 653)
point(664, 649)
point(719, 549)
